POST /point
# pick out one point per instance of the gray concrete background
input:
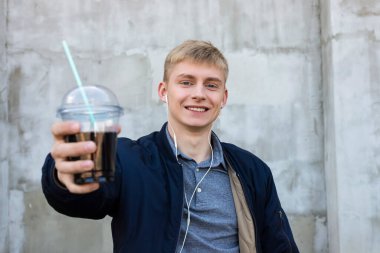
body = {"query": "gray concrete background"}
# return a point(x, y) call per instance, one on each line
point(304, 95)
point(351, 80)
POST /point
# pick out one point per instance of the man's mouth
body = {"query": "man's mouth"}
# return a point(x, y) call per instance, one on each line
point(196, 109)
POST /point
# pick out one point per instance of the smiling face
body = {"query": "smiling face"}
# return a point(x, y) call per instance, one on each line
point(195, 94)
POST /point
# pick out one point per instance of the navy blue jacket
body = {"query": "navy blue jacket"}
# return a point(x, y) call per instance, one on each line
point(146, 199)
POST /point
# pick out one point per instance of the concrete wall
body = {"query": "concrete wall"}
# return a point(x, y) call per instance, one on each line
point(351, 53)
point(280, 107)
point(4, 220)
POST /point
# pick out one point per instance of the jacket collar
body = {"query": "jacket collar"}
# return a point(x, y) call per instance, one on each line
point(163, 144)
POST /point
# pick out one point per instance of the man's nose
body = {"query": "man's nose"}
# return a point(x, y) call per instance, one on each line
point(199, 91)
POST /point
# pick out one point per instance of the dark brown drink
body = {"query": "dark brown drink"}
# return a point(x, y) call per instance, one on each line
point(103, 158)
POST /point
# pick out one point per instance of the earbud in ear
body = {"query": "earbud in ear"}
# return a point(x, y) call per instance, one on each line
point(166, 98)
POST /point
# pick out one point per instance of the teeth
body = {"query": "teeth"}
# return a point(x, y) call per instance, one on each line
point(197, 109)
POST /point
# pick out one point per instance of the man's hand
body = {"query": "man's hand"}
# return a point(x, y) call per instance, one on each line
point(62, 150)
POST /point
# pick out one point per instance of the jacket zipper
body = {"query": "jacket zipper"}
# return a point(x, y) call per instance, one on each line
point(250, 210)
point(283, 231)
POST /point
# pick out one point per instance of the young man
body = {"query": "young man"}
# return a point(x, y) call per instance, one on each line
point(180, 189)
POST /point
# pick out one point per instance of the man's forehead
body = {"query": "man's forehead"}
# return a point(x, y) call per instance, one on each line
point(196, 69)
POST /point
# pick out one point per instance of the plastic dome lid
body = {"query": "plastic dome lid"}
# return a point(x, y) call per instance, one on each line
point(100, 101)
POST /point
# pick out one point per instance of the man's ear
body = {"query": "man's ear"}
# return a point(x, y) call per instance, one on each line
point(162, 92)
point(225, 97)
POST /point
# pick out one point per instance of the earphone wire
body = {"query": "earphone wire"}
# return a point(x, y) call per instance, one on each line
point(188, 203)
point(171, 128)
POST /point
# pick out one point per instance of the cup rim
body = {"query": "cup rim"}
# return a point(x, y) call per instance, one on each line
point(81, 109)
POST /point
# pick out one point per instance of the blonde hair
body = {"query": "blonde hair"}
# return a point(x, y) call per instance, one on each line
point(197, 51)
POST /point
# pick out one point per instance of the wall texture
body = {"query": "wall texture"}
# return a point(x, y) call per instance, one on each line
point(4, 220)
point(306, 102)
point(351, 57)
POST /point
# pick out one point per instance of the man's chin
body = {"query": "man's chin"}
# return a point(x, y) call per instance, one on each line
point(199, 126)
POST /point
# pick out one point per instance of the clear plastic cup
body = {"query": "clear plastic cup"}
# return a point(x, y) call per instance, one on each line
point(99, 119)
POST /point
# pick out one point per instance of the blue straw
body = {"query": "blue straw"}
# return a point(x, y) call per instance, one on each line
point(78, 80)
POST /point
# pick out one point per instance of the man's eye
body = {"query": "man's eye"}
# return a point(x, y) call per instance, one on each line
point(212, 85)
point(186, 83)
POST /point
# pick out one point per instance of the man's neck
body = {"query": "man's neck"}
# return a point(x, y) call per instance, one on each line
point(191, 142)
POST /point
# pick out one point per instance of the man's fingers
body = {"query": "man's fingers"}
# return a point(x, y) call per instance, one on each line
point(62, 150)
point(73, 149)
point(82, 189)
point(73, 167)
point(60, 129)
point(68, 181)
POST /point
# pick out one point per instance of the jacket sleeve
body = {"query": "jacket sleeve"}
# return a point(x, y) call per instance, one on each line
point(94, 205)
point(277, 235)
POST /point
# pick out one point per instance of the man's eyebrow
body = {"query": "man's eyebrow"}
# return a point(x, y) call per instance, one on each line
point(215, 79)
point(186, 76)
